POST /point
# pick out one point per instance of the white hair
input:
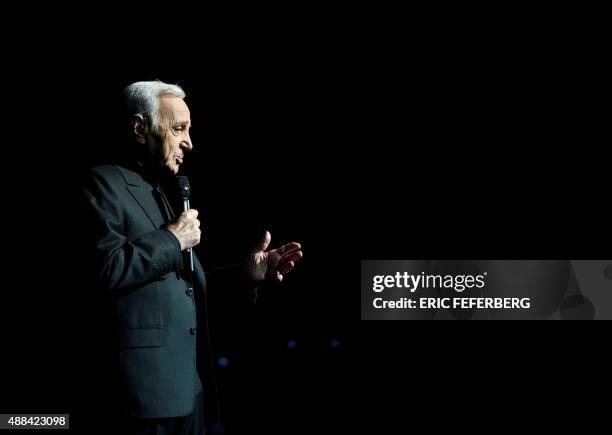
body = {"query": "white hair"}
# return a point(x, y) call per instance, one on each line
point(142, 98)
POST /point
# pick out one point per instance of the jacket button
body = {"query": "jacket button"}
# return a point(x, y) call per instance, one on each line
point(189, 291)
point(193, 330)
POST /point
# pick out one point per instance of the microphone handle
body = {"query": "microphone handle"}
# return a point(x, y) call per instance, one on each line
point(189, 251)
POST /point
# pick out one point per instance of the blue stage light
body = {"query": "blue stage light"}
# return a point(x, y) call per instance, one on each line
point(223, 362)
point(291, 344)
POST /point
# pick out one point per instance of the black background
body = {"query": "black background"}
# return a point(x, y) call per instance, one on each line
point(373, 142)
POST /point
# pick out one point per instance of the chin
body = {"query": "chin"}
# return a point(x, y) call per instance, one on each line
point(172, 168)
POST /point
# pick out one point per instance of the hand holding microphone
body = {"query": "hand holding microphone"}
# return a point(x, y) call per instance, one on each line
point(187, 227)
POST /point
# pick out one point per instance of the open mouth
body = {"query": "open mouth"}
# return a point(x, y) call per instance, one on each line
point(179, 159)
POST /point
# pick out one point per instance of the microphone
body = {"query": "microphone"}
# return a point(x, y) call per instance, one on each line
point(185, 193)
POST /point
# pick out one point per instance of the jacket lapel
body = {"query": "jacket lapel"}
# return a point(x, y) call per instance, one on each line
point(142, 192)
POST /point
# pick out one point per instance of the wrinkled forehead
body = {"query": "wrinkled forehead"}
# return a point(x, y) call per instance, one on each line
point(173, 108)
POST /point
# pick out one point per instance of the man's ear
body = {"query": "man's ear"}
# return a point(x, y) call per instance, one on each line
point(139, 128)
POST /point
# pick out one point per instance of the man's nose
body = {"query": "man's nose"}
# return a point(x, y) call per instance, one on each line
point(186, 144)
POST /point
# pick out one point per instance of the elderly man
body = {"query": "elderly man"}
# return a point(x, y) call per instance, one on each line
point(141, 267)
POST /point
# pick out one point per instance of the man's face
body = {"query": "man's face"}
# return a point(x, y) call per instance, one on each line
point(172, 140)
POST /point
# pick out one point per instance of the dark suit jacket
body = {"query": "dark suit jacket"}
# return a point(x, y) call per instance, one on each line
point(152, 305)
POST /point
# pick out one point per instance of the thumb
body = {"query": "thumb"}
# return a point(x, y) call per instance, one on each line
point(265, 241)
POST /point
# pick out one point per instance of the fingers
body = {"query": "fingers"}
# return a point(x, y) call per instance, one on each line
point(293, 256)
point(288, 248)
point(285, 267)
point(191, 213)
point(288, 262)
point(279, 276)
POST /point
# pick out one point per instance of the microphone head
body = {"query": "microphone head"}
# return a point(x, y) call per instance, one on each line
point(184, 188)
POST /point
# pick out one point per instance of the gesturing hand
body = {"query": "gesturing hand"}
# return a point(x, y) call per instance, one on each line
point(271, 265)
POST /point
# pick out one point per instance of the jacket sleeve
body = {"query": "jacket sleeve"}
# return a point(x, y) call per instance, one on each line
point(121, 263)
